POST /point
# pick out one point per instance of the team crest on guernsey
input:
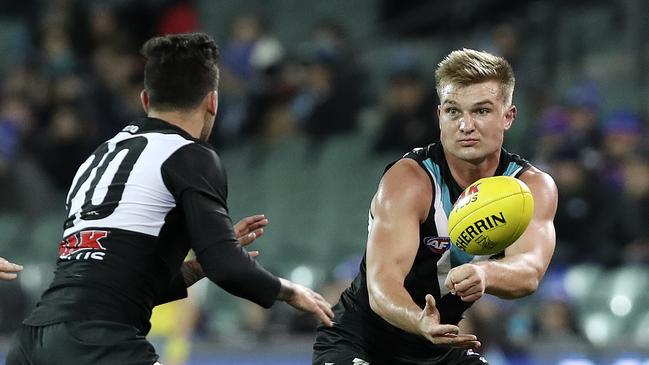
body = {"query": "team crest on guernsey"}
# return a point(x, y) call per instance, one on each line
point(438, 244)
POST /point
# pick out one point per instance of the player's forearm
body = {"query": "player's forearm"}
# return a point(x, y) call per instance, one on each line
point(511, 277)
point(393, 303)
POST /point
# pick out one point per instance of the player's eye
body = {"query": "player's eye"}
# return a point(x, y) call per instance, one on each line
point(452, 111)
point(484, 111)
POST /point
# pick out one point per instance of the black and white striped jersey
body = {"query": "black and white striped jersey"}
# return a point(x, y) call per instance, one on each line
point(136, 206)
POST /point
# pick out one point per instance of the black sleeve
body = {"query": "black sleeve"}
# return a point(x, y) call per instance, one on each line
point(196, 179)
point(175, 291)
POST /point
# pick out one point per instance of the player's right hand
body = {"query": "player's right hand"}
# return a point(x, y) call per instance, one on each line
point(9, 270)
point(443, 334)
point(306, 300)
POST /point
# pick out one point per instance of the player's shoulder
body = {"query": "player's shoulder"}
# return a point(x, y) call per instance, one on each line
point(536, 178)
point(405, 177)
point(194, 165)
point(196, 154)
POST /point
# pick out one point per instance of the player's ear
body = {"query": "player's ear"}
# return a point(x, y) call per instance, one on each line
point(212, 102)
point(144, 99)
point(510, 115)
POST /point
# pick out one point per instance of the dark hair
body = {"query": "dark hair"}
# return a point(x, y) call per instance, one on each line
point(180, 70)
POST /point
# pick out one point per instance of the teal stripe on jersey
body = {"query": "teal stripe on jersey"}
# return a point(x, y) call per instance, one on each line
point(511, 169)
point(458, 257)
point(446, 195)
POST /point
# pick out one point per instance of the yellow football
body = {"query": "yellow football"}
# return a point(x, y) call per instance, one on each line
point(490, 215)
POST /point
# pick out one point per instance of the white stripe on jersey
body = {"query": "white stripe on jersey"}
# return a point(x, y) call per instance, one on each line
point(441, 223)
point(146, 201)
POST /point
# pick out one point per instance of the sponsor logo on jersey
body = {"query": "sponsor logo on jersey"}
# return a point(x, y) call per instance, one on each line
point(84, 245)
point(358, 361)
point(438, 244)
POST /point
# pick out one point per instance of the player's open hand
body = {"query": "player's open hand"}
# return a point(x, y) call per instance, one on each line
point(249, 229)
point(306, 300)
point(443, 334)
point(467, 281)
point(9, 270)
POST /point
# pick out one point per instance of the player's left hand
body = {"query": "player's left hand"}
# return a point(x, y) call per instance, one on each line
point(249, 229)
point(467, 281)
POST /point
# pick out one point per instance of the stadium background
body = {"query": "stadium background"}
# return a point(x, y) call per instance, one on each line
point(316, 97)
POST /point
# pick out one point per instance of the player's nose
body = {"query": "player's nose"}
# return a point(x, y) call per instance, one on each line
point(467, 124)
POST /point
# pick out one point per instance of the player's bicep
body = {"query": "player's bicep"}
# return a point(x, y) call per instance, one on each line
point(400, 204)
point(538, 240)
point(392, 244)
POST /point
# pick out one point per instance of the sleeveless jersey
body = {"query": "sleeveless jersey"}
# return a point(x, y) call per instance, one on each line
point(358, 323)
point(136, 206)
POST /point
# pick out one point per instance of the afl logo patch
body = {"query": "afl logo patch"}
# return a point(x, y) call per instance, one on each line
point(438, 244)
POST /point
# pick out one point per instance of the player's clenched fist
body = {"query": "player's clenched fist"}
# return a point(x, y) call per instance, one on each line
point(467, 281)
point(443, 334)
point(9, 270)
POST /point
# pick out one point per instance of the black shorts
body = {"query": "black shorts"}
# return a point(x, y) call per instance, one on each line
point(81, 343)
point(344, 355)
point(332, 348)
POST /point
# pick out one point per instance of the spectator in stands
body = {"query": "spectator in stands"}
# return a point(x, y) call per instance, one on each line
point(583, 203)
point(236, 73)
point(552, 130)
point(62, 145)
point(622, 135)
point(331, 36)
point(268, 98)
point(23, 189)
point(409, 119)
point(324, 106)
point(555, 322)
point(636, 190)
point(583, 107)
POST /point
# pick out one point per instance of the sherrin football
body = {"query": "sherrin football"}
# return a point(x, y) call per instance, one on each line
point(490, 215)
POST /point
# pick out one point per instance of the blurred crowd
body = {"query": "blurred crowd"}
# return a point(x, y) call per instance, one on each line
point(76, 79)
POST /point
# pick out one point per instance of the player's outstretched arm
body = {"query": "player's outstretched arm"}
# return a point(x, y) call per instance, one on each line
point(306, 300)
point(400, 204)
point(246, 231)
point(9, 270)
point(520, 271)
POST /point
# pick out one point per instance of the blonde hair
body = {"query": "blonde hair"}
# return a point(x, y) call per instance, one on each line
point(467, 66)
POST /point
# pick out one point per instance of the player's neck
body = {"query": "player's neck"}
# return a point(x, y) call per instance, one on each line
point(189, 121)
point(466, 173)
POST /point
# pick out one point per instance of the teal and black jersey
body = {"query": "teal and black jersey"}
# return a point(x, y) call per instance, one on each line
point(358, 324)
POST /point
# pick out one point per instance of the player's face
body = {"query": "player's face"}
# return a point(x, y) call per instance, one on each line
point(473, 120)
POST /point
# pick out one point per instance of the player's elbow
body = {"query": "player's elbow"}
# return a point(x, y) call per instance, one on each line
point(522, 289)
point(528, 287)
point(374, 299)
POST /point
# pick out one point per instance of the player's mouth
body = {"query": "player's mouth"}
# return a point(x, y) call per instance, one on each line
point(468, 142)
